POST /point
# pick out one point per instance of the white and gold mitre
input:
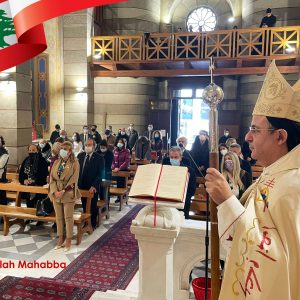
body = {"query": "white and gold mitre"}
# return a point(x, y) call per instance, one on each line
point(277, 98)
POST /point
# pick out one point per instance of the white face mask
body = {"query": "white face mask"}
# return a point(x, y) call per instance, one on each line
point(63, 153)
point(63, 136)
point(103, 149)
point(224, 151)
point(88, 149)
point(85, 131)
point(226, 134)
point(42, 145)
point(120, 145)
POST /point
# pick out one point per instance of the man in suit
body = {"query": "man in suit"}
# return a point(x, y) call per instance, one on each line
point(84, 136)
point(175, 159)
point(96, 135)
point(92, 171)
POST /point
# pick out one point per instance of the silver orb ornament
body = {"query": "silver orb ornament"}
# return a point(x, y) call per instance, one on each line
point(213, 95)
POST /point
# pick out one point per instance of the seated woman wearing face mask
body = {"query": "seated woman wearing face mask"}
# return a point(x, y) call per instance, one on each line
point(238, 179)
point(63, 192)
point(120, 162)
point(175, 159)
point(34, 171)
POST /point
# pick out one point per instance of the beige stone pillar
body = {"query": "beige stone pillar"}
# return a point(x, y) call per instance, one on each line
point(16, 112)
point(77, 32)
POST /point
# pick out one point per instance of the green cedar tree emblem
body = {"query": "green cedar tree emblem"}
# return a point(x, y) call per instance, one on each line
point(6, 28)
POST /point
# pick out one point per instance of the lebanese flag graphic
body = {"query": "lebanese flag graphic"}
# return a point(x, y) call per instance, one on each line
point(22, 34)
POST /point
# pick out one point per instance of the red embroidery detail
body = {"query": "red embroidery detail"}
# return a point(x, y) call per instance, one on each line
point(270, 183)
point(265, 240)
point(251, 280)
point(230, 238)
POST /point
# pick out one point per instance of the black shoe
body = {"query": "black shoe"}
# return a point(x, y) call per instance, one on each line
point(117, 201)
point(39, 223)
point(28, 222)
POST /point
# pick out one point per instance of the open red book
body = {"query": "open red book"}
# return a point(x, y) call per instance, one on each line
point(168, 182)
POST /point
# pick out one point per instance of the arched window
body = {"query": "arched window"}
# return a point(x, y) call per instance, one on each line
point(201, 19)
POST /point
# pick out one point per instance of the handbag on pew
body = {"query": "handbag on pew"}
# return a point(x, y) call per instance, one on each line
point(44, 207)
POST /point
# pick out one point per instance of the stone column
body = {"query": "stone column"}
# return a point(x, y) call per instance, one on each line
point(79, 104)
point(156, 251)
point(16, 112)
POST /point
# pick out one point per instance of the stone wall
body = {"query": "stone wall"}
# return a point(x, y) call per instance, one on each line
point(132, 17)
point(286, 11)
point(16, 112)
point(121, 101)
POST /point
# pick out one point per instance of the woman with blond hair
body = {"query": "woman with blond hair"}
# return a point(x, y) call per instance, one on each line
point(63, 192)
point(238, 179)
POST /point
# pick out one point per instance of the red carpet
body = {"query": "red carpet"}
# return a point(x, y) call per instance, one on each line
point(32, 288)
point(108, 264)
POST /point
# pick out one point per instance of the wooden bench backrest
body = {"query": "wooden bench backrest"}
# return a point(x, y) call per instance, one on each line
point(256, 171)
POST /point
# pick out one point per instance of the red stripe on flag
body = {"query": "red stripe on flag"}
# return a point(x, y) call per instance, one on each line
point(2, 1)
point(44, 10)
point(30, 44)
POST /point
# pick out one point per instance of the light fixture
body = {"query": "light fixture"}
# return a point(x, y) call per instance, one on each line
point(231, 19)
point(4, 75)
point(290, 49)
point(79, 89)
point(97, 56)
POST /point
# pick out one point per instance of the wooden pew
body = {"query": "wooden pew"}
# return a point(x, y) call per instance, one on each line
point(256, 171)
point(121, 193)
point(17, 214)
point(132, 170)
point(140, 162)
point(198, 201)
point(102, 204)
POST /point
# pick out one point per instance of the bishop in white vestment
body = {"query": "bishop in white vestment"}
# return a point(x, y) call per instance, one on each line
point(261, 231)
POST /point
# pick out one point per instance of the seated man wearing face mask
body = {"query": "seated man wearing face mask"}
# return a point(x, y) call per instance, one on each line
point(92, 171)
point(186, 155)
point(175, 159)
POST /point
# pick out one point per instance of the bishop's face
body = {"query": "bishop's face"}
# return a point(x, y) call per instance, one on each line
point(262, 141)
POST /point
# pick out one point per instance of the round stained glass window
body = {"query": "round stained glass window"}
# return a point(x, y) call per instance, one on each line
point(201, 19)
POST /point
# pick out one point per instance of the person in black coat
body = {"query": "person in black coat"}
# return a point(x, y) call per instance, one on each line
point(4, 157)
point(33, 171)
point(108, 157)
point(55, 134)
point(269, 20)
point(96, 135)
point(175, 159)
point(225, 137)
point(200, 151)
point(92, 171)
point(122, 135)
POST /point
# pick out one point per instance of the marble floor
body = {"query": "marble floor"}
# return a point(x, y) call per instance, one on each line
point(36, 243)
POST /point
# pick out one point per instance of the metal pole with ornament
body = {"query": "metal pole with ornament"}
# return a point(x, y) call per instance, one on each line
point(212, 96)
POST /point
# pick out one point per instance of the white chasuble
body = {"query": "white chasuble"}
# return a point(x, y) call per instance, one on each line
point(264, 259)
